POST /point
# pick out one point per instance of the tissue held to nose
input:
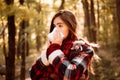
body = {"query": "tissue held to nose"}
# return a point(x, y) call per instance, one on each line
point(52, 34)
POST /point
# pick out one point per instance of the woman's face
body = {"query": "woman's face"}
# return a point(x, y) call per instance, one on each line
point(58, 23)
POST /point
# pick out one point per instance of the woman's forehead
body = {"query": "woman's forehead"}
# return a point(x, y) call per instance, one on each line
point(58, 21)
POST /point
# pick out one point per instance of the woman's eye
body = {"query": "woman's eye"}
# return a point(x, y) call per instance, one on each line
point(60, 26)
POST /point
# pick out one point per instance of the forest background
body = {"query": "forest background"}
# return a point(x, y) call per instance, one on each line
point(24, 25)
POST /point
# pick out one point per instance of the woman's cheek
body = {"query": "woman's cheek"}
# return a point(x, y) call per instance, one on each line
point(65, 35)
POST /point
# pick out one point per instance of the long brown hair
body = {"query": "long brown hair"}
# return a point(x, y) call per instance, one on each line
point(69, 19)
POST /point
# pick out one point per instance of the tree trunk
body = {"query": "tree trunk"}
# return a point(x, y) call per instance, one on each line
point(118, 19)
point(93, 27)
point(21, 2)
point(18, 45)
point(2, 32)
point(98, 20)
point(3, 70)
point(62, 5)
point(10, 59)
point(114, 35)
point(86, 19)
point(98, 15)
point(27, 38)
point(23, 45)
point(38, 43)
point(22, 50)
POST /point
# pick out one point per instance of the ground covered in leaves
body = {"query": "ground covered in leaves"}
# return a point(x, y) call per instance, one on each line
point(109, 66)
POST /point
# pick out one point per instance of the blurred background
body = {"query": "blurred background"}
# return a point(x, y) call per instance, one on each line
point(24, 25)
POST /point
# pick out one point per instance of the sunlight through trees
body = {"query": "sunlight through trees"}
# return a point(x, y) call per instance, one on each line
point(24, 25)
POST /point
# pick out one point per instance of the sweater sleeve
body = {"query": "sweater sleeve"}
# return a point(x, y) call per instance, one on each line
point(38, 69)
point(69, 69)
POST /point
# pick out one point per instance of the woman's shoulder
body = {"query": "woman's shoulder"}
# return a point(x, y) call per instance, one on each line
point(82, 46)
point(78, 44)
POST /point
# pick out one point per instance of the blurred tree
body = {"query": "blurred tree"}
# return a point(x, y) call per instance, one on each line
point(86, 19)
point(22, 48)
point(20, 36)
point(23, 45)
point(93, 27)
point(2, 32)
point(118, 19)
point(21, 2)
point(90, 22)
point(98, 20)
point(107, 28)
point(62, 4)
point(38, 41)
point(37, 15)
point(10, 58)
point(114, 28)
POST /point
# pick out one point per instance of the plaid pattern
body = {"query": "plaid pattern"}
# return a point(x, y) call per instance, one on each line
point(67, 62)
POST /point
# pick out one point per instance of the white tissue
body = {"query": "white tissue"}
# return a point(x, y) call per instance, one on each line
point(51, 35)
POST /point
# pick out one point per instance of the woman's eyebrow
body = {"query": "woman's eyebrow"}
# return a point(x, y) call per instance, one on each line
point(58, 23)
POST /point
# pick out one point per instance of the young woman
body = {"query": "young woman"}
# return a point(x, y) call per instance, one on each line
point(66, 58)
